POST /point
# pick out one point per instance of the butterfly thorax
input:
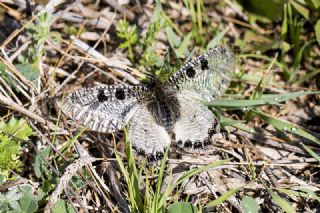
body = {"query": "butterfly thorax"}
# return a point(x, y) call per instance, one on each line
point(164, 105)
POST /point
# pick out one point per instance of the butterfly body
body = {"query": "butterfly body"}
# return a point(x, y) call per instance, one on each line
point(156, 110)
point(163, 105)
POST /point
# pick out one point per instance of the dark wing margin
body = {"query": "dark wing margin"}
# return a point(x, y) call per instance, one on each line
point(104, 108)
point(206, 77)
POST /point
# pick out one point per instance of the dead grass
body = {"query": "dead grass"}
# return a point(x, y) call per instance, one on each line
point(273, 147)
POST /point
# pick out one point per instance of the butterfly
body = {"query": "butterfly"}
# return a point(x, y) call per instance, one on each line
point(158, 110)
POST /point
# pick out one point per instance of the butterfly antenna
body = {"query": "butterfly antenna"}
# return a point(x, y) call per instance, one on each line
point(190, 56)
point(149, 75)
point(164, 59)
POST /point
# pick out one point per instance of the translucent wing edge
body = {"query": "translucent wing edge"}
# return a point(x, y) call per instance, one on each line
point(222, 57)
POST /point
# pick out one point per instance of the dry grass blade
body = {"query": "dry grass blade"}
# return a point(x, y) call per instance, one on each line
point(84, 160)
point(266, 160)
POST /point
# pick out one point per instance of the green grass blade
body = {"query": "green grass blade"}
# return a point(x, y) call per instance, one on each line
point(317, 30)
point(222, 198)
point(131, 177)
point(192, 172)
point(199, 15)
point(71, 142)
point(286, 206)
point(286, 126)
point(297, 60)
point(306, 194)
point(229, 122)
point(157, 195)
point(147, 195)
point(311, 152)
point(127, 179)
point(265, 99)
point(133, 174)
point(254, 79)
point(264, 80)
point(280, 125)
point(311, 194)
point(301, 9)
point(217, 39)
point(167, 192)
point(311, 74)
point(266, 58)
point(183, 48)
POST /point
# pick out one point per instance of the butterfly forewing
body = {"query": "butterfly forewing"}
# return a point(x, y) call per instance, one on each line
point(103, 109)
point(206, 77)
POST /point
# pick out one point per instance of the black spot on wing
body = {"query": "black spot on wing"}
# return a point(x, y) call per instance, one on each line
point(141, 152)
point(197, 145)
point(151, 158)
point(120, 94)
point(188, 144)
point(190, 72)
point(101, 96)
point(204, 64)
point(207, 141)
point(159, 155)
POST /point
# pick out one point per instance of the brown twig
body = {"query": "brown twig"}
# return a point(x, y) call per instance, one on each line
point(12, 105)
point(70, 171)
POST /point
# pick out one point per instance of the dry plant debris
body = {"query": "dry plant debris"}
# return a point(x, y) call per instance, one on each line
point(268, 160)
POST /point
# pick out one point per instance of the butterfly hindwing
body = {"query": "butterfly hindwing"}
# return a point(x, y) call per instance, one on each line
point(146, 136)
point(197, 126)
point(105, 108)
point(206, 77)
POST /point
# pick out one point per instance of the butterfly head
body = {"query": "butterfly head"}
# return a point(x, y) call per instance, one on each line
point(154, 83)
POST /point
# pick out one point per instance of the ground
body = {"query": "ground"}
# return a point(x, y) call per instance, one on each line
point(266, 161)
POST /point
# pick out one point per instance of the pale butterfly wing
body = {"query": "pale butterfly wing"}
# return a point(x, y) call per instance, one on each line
point(105, 108)
point(206, 77)
point(197, 127)
point(146, 136)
